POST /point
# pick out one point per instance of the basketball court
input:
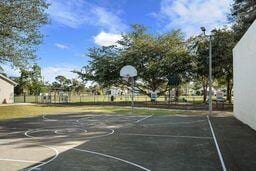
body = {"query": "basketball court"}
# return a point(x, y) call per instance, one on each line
point(82, 141)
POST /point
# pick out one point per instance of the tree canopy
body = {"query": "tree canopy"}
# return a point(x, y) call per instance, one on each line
point(20, 23)
point(156, 57)
point(199, 50)
point(30, 81)
point(223, 42)
point(243, 13)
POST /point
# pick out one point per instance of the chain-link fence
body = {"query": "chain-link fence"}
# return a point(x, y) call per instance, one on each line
point(100, 99)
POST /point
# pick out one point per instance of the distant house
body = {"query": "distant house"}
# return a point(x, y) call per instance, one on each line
point(6, 89)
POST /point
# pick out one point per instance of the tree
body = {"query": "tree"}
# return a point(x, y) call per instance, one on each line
point(20, 22)
point(199, 50)
point(174, 80)
point(62, 83)
point(77, 86)
point(243, 13)
point(37, 84)
point(154, 56)
point(24, 83)
point(103, 68)
point(223, 44)
point(30, 81)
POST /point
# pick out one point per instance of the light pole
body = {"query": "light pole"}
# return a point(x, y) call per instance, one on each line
point(210, 100)
point(210, 69)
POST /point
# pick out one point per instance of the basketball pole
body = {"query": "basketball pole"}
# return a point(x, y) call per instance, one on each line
point(129, 71)
point(132, 94)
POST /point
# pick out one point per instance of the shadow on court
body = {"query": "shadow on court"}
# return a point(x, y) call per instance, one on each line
point(98, 142)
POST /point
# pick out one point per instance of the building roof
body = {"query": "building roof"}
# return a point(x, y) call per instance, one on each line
point(7, 79)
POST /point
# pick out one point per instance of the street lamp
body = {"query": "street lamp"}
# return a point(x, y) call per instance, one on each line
point(210, 69)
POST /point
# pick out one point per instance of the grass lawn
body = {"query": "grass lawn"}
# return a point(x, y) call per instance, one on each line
point(23, 111)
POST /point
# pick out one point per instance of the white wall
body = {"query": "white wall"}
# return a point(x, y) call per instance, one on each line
point(244, 59)
point(6, 91)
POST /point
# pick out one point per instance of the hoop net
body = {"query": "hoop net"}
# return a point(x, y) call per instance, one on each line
point(127, 78)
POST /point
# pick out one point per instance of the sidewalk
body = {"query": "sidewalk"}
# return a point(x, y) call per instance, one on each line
point(17, 104)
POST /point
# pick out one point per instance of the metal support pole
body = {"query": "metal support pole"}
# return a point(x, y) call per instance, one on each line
point(210, 75)
point(132, 94)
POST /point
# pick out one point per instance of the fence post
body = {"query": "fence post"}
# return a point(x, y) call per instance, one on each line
point(24, 97)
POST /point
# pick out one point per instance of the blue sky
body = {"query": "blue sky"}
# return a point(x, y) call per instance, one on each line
point(76, 25)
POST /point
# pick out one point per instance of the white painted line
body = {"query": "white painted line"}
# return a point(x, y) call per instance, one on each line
point(10, 133)
point(112, 157)
point(52, 127)
point(99, 136)
point(47, 119)
point(48, 161)
point(55, 150)
point(36, 131)
point(166, 136)
point(23, 161)
point(217, 146)
point(58, 131)
point(143, 119)
point(176, 123)
point(63, 120)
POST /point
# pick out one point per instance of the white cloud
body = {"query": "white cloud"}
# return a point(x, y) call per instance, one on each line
point(49, 73)
point(108, 20)
point(11, 71)
point(61, 46)
point(75, 13)
point(107, 39)
point(69, 13)
point(189, 15)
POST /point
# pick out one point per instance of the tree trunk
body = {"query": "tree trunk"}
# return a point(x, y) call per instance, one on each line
point(229, 90)
point(205, 86)
point(169, 93)
point(177, 94)
point(24, 97)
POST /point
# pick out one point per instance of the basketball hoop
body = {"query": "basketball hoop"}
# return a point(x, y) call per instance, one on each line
point(128, 73)
point(126, 78)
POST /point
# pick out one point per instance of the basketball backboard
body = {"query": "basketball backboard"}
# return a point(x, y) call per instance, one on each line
point(128, 71)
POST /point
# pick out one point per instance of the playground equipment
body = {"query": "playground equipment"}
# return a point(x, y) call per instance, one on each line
point(55, 95)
